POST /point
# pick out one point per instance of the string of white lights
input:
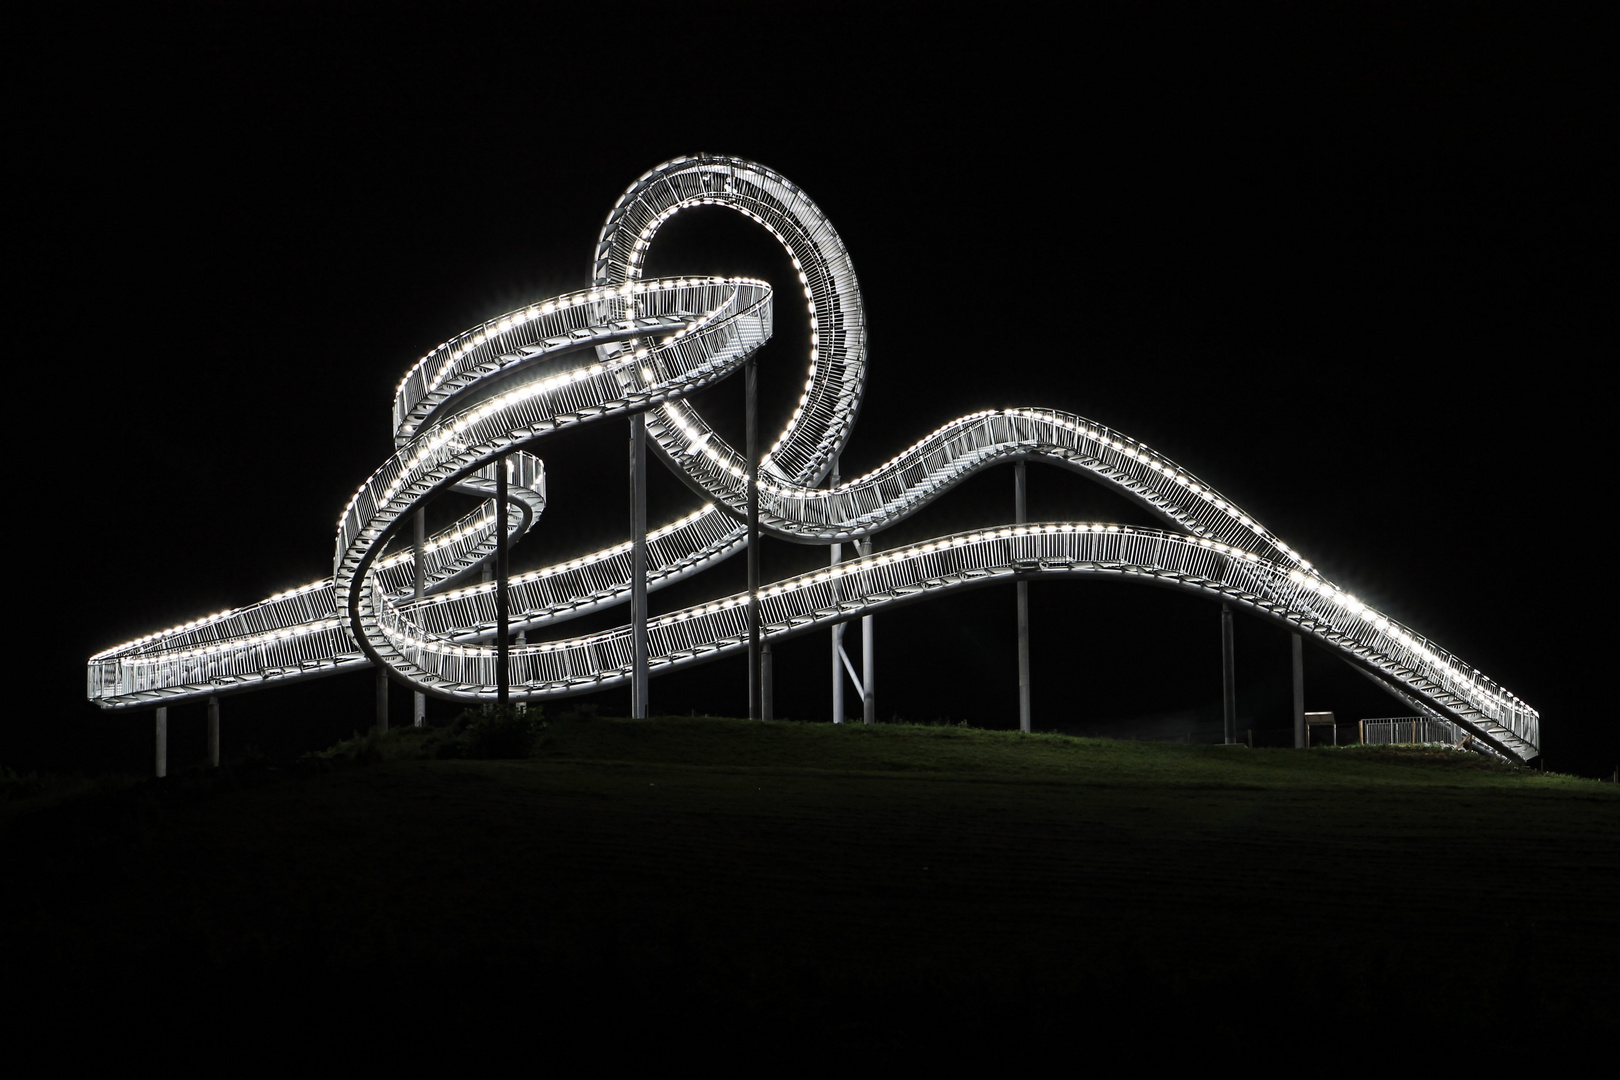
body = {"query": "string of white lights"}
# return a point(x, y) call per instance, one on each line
point(628, 344)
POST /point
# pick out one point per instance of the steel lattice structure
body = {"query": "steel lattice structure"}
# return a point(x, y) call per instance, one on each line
point(629, 345)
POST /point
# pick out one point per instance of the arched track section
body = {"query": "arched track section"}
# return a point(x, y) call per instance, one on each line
point(630, 344)
point(825, 415)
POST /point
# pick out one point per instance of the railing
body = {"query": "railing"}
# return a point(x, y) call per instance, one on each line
point(510, 382)
point(1412, 730)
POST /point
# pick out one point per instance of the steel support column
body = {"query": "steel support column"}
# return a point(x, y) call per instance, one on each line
point(837, 654)
point(766, 690)
point(756, 708)
point(1020, 517)
point(655, 341)
point(1228, 675)
point(868, 654)
point(639, 683)
point(160, 764)
point(419, 554)
point(213, 731)
point(1297, 648)
point(380, 717)
point(503, 671)
point(835, 550)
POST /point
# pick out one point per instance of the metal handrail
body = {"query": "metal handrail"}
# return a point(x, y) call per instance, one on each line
point(629, 344)
point(1418, 730)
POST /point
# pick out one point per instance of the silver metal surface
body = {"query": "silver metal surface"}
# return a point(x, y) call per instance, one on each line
point(868, 654)
point(756, 705)
point(627, 346)
point(503, 603)
point(1021, 516)
point(1228, 676)
point(1415, 730)
point(767, 689)
point(838, 659)
point(639, 687)
point(418, 585)
point(213, 732)
point(1296, 647)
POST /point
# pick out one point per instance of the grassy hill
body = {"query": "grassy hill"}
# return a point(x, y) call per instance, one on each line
point(879, 886)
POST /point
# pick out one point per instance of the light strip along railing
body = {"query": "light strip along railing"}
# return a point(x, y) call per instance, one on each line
point(808, 601)
point(656, 341)
point(557, 326)
point(299, 631)
point(918, 474)
point(591, 582)
point(933, 464)
point(570, 396)
point(462, 547)
point(449, 447)
point(791, 506)
point(451, 553)
point(1110, 459)
point(161, 666)
point(790, 509)
point(821, 423)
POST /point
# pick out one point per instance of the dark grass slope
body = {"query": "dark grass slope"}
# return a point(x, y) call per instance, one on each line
point(654, 887)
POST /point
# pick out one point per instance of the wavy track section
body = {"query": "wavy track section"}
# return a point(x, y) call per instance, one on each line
point(629, 344)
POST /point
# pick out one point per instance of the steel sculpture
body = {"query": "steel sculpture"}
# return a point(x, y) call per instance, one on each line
point(629, 347)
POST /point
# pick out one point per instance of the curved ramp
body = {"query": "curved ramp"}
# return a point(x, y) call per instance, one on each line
point(628, 345)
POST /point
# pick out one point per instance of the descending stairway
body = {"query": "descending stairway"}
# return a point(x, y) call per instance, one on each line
point(629, 344)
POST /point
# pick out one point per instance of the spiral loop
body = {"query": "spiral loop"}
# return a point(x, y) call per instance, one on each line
point(629, 344)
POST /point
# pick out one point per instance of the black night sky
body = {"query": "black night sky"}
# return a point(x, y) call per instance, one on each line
point(1344, 267)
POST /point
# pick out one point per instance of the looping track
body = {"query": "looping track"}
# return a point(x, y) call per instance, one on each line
point(629, 344)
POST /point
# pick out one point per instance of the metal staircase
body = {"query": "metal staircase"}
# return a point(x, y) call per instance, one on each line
point(498, 390)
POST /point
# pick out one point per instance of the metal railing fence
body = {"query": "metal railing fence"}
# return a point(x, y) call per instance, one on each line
point(660, 340)
point(1416, 730)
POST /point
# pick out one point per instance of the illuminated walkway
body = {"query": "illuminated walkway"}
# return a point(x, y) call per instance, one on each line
point(630, 345)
